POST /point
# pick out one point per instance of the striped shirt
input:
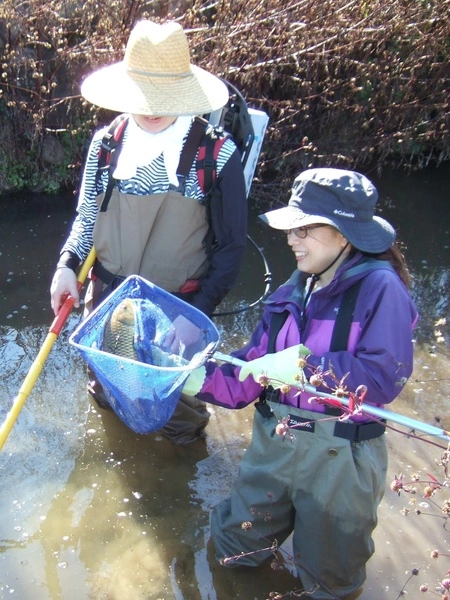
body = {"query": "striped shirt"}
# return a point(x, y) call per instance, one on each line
point(150, 179)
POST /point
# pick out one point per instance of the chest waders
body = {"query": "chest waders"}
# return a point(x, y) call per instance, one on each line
point(165, 238)
point(159, 237)
point(162, 237)
point(319, 485)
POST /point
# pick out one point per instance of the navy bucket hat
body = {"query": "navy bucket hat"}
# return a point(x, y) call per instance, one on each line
point(343, 199)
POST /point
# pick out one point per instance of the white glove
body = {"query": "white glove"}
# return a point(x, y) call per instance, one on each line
point(195, 381)
point(278, 369)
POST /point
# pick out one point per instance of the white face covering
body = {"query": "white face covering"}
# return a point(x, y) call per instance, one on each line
point(140, 148)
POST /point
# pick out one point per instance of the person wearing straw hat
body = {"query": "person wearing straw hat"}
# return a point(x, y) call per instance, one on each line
point(313, 469)
point(153, 222)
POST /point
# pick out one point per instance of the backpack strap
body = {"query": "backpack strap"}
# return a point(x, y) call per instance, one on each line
point(111, 140)
point(237, 121)
point(207, 162)
point(108, 155)
point(208, 148)
point(189, 151)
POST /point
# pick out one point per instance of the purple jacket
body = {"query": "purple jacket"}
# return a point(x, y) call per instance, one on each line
point(380, 348)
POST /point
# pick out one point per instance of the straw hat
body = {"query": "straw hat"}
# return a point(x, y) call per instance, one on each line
point(343, 199)
point(156, 77)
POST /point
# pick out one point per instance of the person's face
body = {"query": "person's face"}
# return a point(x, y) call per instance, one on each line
point(318, 249)
point(153, 124)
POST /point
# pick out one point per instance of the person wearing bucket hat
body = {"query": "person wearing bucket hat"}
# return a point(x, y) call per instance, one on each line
point(343, 322)
point(144, 217)
point(344, 200)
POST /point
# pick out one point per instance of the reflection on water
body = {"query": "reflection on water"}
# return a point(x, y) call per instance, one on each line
point(92, 510)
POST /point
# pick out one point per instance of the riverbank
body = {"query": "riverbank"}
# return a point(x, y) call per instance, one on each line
point(344, 82)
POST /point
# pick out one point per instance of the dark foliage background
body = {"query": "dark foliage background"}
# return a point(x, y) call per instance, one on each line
point(345, 82)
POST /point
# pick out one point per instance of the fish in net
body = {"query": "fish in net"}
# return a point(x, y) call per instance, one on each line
point(126, 341)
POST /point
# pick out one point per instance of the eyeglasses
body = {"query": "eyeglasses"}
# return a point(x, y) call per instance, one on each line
point(302, 232)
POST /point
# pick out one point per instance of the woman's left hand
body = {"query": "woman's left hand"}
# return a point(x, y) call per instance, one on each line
point(280, 368)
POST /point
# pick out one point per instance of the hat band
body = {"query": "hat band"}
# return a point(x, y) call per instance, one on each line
point(151, 74)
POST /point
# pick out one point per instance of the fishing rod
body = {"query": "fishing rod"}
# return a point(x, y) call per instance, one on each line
point(375, 411)
point(38, 363)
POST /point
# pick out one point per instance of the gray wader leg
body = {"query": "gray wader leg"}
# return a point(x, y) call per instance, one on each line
point(188, 421)
point(323, 488)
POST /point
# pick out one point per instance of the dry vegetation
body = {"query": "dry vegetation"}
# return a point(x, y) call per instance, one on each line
point(345, 82)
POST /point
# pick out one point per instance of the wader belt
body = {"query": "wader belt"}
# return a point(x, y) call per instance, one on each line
point(111, 281)
point(354, 432)
point(103, 283)
point(106, 276)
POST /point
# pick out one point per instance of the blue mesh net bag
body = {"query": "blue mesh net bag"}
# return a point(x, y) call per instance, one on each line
point(132, 343)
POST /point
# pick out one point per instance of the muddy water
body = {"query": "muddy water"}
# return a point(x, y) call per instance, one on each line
point(91, 510)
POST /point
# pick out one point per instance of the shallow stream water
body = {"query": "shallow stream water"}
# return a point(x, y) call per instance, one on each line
point(91, 510)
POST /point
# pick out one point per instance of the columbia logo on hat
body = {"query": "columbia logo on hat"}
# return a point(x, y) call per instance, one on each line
point(342, 213)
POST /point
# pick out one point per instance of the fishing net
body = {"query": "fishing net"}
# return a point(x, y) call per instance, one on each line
point(128, 343)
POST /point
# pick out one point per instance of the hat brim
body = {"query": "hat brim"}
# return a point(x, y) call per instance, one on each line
point(289, 217)
point(197, 93)
point(374, 236)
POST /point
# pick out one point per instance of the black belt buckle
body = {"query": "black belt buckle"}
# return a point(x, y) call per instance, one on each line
point(264, 409)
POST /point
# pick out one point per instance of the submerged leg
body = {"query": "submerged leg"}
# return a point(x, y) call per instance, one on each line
point(188, 421)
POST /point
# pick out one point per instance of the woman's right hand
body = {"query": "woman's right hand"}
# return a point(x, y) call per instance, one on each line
point(64, 283)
